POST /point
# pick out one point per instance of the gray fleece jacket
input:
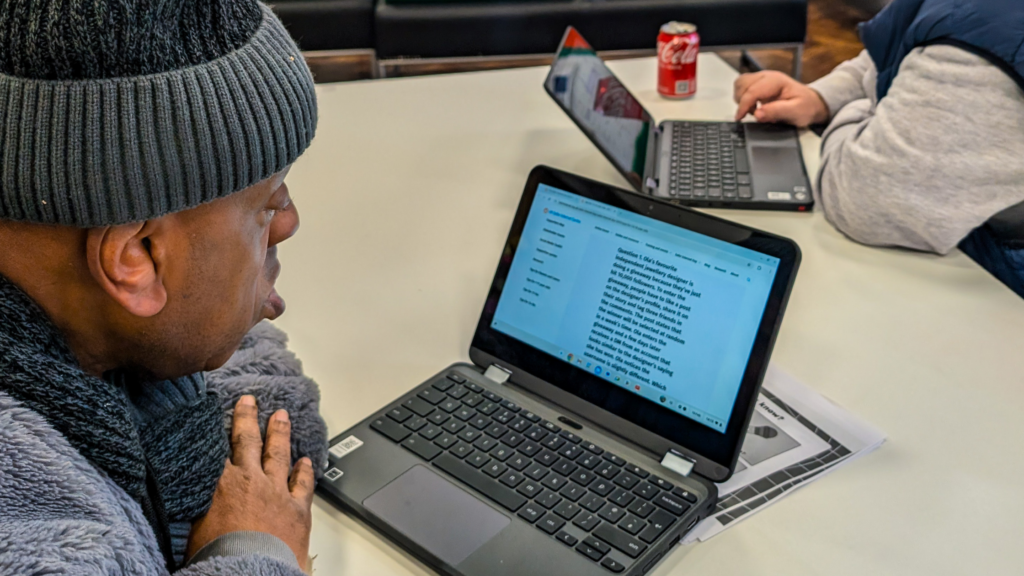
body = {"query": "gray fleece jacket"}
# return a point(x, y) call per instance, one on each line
point(940, 155)
point(61, 515)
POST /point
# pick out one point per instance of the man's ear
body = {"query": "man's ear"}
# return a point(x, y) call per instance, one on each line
point(123, 262)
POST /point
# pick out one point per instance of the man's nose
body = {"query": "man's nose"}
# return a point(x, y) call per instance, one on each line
point(284, 225)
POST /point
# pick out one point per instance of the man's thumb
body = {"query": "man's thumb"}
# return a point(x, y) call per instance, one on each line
point(782, 111)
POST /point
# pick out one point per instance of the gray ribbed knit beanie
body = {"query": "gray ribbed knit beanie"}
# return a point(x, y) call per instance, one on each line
point(115, 111)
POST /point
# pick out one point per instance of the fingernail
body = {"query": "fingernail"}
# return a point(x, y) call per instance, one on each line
point(305, 460)
point(281, 416)
point(247, 400)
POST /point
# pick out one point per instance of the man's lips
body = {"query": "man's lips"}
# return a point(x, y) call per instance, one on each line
point(274, 300)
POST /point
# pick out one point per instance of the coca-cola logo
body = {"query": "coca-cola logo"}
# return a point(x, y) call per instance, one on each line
point(677, 52)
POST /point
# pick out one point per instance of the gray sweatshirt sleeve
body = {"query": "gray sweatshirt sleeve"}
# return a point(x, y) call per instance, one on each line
point(848, 82)
point(246, 543)
point(936, 158)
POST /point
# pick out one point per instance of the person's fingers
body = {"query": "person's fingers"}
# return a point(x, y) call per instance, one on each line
point(743, 83)
point(769, 88)
point(301, 483)
point(782, 111)
point(277, 450)
point(246, 444)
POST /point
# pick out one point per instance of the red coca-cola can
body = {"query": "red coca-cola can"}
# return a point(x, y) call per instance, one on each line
point(678, 45)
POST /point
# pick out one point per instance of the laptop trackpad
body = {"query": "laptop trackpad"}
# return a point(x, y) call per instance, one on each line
point(439, 516)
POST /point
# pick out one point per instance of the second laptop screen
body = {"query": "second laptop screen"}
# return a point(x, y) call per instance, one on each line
point(666, 313)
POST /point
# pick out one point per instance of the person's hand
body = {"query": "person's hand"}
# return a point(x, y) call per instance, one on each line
point(782, 99)
point(259, 490)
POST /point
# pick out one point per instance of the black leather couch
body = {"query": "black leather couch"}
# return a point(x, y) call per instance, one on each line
point(437, 29)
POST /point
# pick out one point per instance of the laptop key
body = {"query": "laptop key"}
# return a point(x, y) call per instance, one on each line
point(587, 521)
point(529, 489)
point(614, 459)
point(536, 471)
point(554, 481)
point(494, 469)
point(531, 512)
point(594, 448)
point(464, 413)
point(588, 461)
point(661, 483)
point(458, 392)
point(592, 502)
point(492, 396)
point(620, 540)
point(416, 423)
point(621, 497)
point(505, 416)
point(418, 406)
point(671, 503)
point(550, 426)
point(496, 431)
point(582, 477)
point(518, 463)
point(550, 523)
point(445, 440)
point(612, 513)
point(478, 459)
point(421, 447)
point(510, 406)
point(743, 178)
point(431, 432)
point(657, 523)
point(474, 387)
point(685, 495)
point(388, 427)
point(589, 552)
point(432, 396)
point(493, 490)
point(487, 408)
point(529, 448)
point(473, 400)
point(438, 417)
point(512, 439)
point(469, 434)
point(531, 417)
point(602, 487)
point(612, 565)
point(565, 467)
point(553, 442)
point(636, 471)
point(485, 443)
point(746, 192)
point(453, 426)
point(450, 405)
point(520, 424)
point(571, 452)
point(443, 385)
point(547, 458)
point(572, 491)
point(566, 538)
point(641, 508)
point(626, 480)
point(461, 450)
point(479, 422)
point(511, 478)
point(632, 524)
point(548, 499)
point(536, 433)
point(567, 510)
point(597, 545)
point(399, 414)
point(501, 453)
point(646, 490)
point(570, 437)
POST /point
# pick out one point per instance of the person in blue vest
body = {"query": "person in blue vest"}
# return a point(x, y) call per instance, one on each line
point(925, 141)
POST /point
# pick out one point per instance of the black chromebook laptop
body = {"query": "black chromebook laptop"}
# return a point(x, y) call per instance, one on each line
point(614, 371)
point(708, 164)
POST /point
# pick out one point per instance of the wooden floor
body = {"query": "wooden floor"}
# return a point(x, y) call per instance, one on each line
point(831, 39)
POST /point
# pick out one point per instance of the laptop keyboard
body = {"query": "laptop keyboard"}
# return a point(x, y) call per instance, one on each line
point(547, 476)
point(709, 160)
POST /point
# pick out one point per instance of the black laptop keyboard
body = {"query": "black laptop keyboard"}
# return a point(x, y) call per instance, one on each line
point(709, 160)
point(546, 475)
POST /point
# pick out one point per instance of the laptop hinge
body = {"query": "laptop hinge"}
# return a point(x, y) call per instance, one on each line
point(497, 374)
point(678, 463)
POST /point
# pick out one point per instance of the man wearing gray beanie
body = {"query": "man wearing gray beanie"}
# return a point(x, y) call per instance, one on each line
point(151, 421)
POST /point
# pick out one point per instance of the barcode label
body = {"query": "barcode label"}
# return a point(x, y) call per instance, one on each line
point(345, 446)
point(682, 86)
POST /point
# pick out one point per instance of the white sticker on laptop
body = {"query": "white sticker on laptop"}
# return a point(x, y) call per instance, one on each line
point(347, 445)
point(780, 195)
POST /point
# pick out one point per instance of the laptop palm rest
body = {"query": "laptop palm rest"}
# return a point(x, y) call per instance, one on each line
point(442, 518)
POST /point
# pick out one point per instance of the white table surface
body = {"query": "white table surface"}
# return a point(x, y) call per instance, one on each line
point(406, 197)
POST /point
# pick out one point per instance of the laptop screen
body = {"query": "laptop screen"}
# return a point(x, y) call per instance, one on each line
point(663, 312)
point(594, 98)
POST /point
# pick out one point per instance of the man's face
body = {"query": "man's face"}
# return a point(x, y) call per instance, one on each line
point(221, 274)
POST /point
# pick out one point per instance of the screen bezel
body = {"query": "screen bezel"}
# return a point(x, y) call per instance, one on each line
point(632, 417)
point(636, 180)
